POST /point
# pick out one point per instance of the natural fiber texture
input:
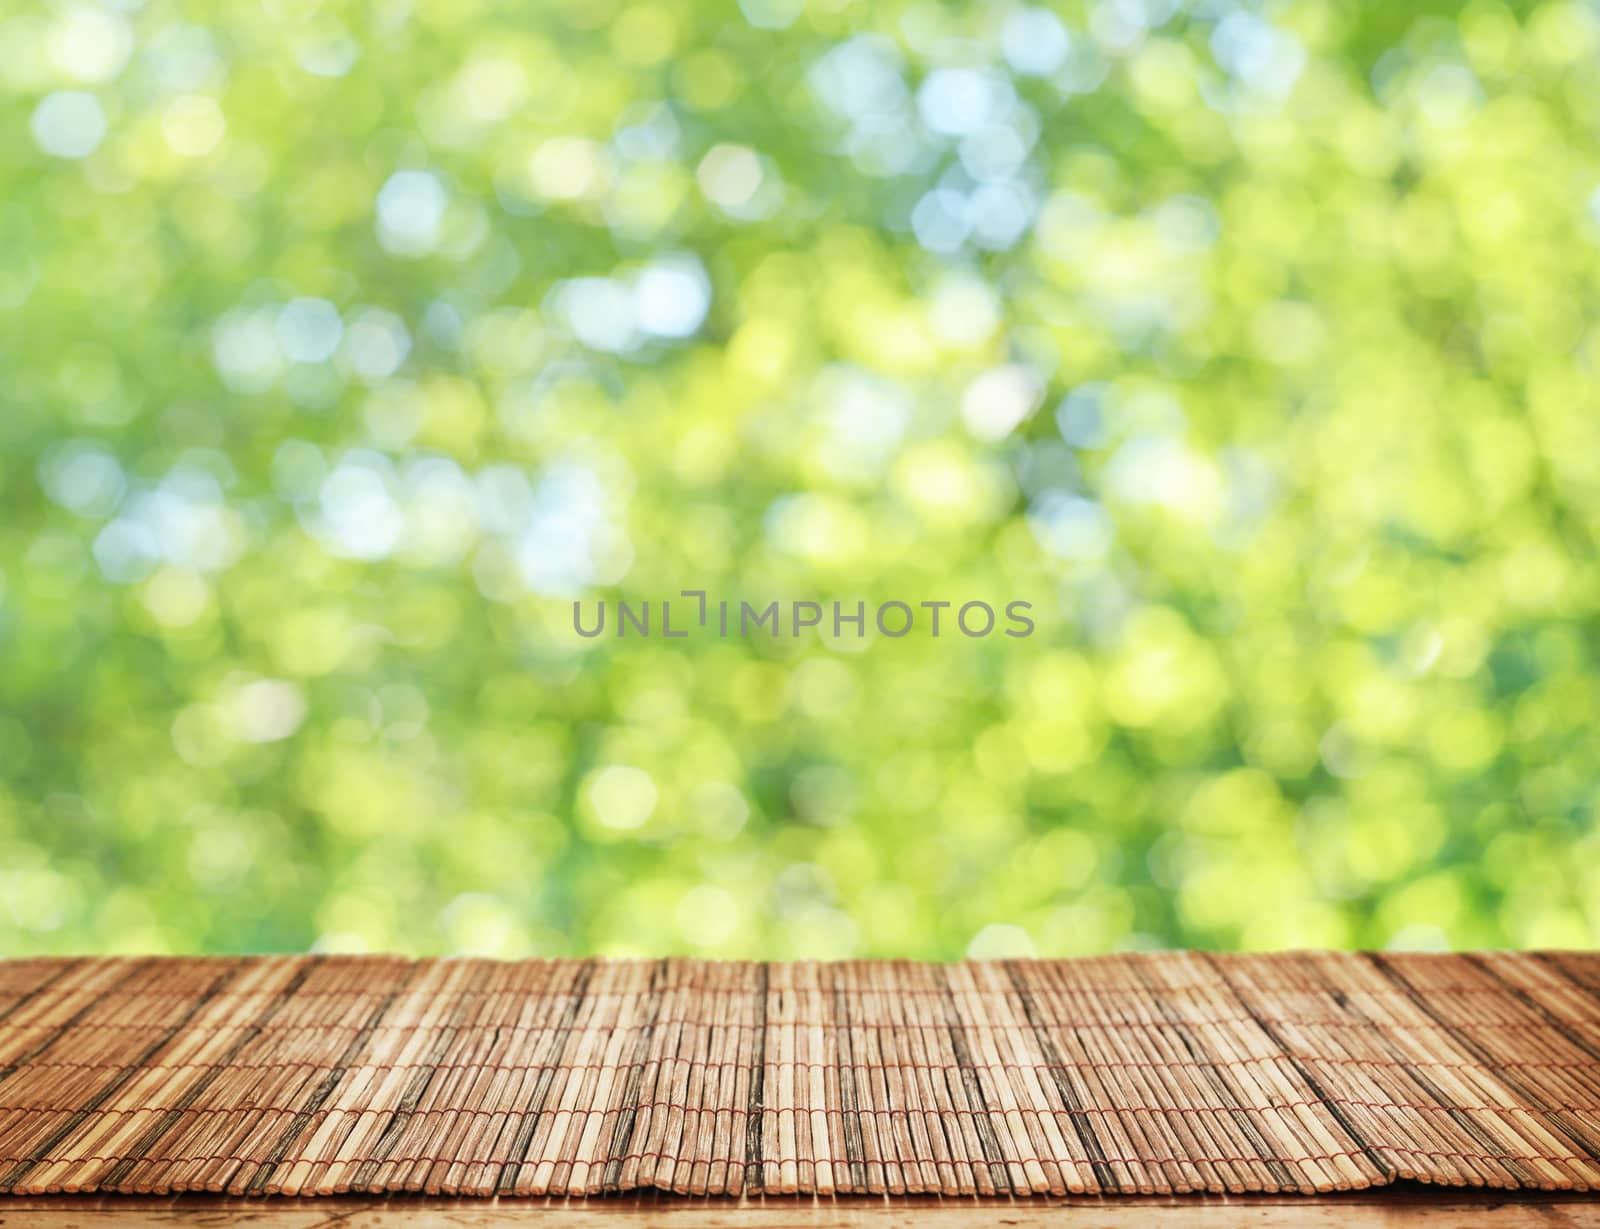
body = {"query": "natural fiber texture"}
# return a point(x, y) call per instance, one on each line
point(1150, 1073)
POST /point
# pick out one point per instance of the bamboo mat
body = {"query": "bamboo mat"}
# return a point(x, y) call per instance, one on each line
point(1160, 1073)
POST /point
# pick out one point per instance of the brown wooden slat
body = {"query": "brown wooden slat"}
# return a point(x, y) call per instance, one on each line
point(1160, 1073)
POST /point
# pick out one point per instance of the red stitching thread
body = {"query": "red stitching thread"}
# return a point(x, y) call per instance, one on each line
point(776, 1026)
point(841, 1162)
point(1288, 1056)
point(1062, 990)
point(463, 1111)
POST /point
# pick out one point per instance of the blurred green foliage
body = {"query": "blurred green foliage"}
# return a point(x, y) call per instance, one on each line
point(343, 344)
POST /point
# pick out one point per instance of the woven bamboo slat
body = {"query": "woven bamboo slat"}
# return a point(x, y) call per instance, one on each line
point(1152, 1074)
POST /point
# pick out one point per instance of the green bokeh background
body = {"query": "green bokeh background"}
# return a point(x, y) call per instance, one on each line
point(344, 344)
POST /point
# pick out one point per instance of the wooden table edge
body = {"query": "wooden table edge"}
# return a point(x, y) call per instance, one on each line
point(1379, 1208)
